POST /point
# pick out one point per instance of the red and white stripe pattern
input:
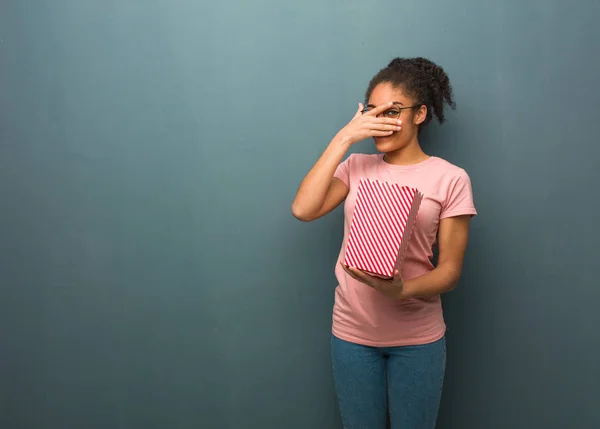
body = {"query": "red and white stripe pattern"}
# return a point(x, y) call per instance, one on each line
point(381, 225)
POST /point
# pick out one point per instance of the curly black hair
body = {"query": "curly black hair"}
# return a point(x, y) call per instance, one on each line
point(422, 79)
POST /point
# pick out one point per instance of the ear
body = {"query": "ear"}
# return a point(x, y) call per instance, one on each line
point(420, 115)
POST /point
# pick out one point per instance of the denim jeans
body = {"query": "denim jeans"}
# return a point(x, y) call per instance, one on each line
point(404, 382)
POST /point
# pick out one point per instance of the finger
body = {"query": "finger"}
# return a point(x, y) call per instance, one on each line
point(359, 274)
point(384, 127)
point(385, 120)
point(359, 111)
point(379, 109)
point(381, 133)
point(365, 278)
point(349, 271)
point(388, 121)
point(345, 267)
point(352, 272)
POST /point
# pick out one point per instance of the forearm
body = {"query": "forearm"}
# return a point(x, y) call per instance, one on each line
point(440, 280)
point(313, 189)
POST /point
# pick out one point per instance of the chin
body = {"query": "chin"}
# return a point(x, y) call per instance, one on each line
point(385, 144)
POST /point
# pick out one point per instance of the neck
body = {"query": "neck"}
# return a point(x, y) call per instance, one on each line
point(410, 154)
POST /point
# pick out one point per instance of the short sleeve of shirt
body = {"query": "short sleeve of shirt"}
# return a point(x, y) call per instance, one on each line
point(459, 200)
point(342, 171)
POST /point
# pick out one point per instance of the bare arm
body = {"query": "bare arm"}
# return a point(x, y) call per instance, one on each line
point(453, 236)
point(319, 193)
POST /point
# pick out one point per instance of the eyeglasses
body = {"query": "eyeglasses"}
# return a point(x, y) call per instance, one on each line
point(392, 112)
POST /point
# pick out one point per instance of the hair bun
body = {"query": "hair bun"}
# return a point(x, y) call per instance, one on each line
point(396, 62)
point(425, 65)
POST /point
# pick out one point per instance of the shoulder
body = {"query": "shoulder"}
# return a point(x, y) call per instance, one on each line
point(454, 184)
point(356, 165)
point(448, 171)
point(447, 167)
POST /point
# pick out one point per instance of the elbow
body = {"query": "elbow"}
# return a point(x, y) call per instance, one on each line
point(454, 277)
point(451, 286)
point(300, 214)
point(451, 276)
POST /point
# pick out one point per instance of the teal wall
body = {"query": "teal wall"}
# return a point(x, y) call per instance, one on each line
point(151, 273)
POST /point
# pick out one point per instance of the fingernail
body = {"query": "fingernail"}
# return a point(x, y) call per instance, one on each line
point(398, 128)
point(399, 122)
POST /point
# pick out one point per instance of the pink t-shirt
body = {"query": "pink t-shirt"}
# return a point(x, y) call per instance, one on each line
point(362, 314)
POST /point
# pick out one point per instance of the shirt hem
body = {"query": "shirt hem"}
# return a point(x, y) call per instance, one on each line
point(462, 212)
point(342, 179)
point(399, 343)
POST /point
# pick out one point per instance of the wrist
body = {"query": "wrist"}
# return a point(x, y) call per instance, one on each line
point(407, 290)
point(343, 141)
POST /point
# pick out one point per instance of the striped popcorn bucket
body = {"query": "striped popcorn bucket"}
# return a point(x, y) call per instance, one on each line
point(382, 223)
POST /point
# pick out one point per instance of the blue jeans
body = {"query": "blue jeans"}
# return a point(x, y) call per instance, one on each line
point(402, 382)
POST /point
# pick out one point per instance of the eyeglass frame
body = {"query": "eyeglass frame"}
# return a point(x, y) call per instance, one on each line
point(396, 107)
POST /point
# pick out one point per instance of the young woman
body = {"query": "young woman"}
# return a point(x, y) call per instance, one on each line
point(388, 336)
